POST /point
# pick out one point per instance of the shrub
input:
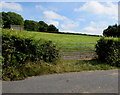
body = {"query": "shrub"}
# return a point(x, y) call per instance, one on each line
point(108, 50)
point(17, 51)
point(113, 57)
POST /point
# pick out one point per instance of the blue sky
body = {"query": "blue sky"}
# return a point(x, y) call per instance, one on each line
point(76, 17)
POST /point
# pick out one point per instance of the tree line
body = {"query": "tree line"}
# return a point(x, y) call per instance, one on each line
point(112, 31)
point(12, 18)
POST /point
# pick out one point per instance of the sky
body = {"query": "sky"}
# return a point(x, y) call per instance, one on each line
point(90, 17)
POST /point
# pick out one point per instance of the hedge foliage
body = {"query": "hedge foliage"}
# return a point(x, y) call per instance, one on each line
point(17, 50)
point(24, 56)
point(108, 50)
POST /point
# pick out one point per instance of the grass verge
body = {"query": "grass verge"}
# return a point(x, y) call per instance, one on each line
point(62, 66)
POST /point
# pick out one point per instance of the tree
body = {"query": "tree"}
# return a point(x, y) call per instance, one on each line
point(112, 31)
point(42, 26)
point(1, 22)
point(52, 28)
point(118, 30)
point(11, 18)
point(31, 25)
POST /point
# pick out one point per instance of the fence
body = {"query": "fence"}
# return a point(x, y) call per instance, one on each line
point(78, 51)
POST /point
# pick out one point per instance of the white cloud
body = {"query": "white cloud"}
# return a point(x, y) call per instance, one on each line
point(100, 24)
point(92, 30)
point(98, 8)
point(13, 6)
point(50, 21)
point(95, 28)
point(53, 15)
point(59, 20)
point(69, 31)
point(69, 24)
point(81, 19)
point(40, 7)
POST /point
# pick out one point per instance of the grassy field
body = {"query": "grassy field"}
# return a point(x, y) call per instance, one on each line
point(64, 38)
point(57, 38)
point(60, 38)
point(70, 39)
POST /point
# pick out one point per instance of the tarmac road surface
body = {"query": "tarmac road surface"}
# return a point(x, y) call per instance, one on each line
point(76, 82)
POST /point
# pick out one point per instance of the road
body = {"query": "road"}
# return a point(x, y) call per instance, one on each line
point(76, 82)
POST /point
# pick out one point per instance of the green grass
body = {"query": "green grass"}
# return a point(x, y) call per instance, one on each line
point(81, 65)
point(65, 38)
point(59, 38)
point(62, 66)
point(56, 38)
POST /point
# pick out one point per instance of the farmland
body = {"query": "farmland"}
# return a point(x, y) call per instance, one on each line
point(57, 38)
point(64, 38)
point(64, 41)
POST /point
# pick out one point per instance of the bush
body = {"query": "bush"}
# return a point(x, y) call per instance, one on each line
point(108, 51)
point(17, 51)
point(113, 57)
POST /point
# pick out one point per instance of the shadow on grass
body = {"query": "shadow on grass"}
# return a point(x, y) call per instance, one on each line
point(95, 64)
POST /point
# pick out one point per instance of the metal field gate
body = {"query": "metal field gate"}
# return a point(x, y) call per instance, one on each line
point(78, 51)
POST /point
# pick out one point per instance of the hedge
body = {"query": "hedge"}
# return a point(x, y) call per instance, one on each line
point(17, 50)
point(24, 56)
point(108, 50)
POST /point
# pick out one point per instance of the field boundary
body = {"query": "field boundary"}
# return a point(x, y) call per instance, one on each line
point(77, 51)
